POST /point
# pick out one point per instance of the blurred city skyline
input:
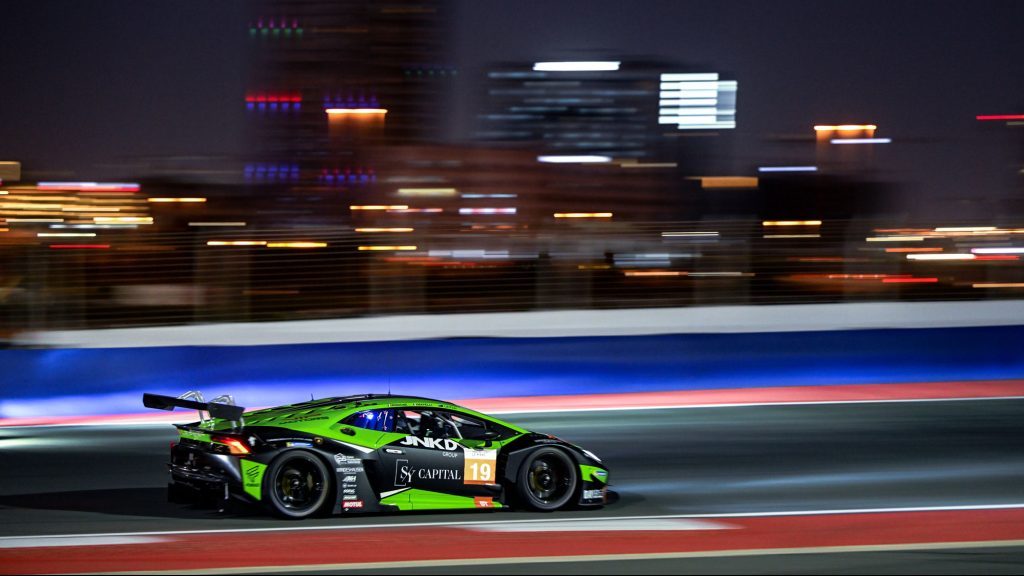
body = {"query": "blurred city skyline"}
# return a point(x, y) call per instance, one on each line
point(98, 88)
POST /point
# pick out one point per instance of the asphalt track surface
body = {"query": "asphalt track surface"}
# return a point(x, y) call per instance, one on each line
point(690, 461)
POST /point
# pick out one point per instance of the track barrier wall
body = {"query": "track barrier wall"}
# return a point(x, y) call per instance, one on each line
point(84, 381)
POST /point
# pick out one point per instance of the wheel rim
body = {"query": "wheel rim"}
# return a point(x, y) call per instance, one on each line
point(299, 486)
point(549, 479)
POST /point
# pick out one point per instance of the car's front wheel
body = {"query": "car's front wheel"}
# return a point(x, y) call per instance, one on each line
point(547, 480)
point(298, 485)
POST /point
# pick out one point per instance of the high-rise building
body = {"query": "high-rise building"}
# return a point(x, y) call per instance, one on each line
point(331, 79)
point(617, 109)
point(614, 136)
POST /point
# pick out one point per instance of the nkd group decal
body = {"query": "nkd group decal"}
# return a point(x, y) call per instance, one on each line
point(481, 466)
point(431, 443)
point(406, 474)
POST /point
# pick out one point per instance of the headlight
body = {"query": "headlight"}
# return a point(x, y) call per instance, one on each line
point(590, 454)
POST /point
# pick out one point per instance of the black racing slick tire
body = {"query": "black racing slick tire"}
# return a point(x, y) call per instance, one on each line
point(547, 480)
point(298, 485)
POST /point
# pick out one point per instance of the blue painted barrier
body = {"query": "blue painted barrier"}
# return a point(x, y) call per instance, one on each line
point(40, 382)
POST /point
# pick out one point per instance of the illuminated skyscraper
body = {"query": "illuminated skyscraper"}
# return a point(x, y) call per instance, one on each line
point(617, 136)
point(621, 110)
point(332, 79)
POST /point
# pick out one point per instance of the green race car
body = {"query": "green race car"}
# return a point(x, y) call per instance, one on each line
point(373, 453)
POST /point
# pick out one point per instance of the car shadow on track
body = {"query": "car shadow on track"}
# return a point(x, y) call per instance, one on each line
point(117, 502)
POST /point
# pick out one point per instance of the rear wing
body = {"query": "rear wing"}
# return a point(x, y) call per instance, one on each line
point(220, 407)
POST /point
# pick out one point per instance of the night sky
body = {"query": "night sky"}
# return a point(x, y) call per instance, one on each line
point(92, 84)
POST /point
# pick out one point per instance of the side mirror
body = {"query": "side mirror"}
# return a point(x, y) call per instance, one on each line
point(348, 431)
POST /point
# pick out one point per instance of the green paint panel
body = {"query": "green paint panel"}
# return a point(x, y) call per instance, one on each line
point(190, 435)
point(428, 500)
point(252, 478)
point(593, 474)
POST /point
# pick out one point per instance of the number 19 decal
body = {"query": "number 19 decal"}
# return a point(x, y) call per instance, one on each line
point(481, 466)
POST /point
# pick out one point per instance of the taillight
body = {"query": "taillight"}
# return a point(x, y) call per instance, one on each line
point(235, 445)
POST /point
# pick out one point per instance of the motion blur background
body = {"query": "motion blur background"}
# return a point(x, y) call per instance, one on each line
point(238, 161)
point(762, 257)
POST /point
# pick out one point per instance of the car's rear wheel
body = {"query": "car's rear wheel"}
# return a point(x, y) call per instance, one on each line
point(547, 480)
point(298, 485)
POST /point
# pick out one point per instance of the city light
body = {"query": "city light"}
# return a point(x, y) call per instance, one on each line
point(79, 246)
point(379, 207)
point(296, 244)
point(407, 210)
point(905, 250)
point(583, 214)
point(648, 164)
point(487, 210)
point(376, 230)
point(910, 280)
point(123, 219)
point(728, 182)
point(66, 234)
point(427, 191)
point(32, 220)
point(1000, 117)
point(844, 127)
point(688, 234)
point(90, 186)
point(643, 273)
point(179, 200)
point(967, 229)
point(215, 224)
point(584, 159)
point(236, 243)
point(791, 223)
point(861, 140)
point(591, 66)
point(697, 101)
point(895, 239)
point(788, 169)
point(1001, 250)
point(385, 248)
point(355, 111)
point(941, 256)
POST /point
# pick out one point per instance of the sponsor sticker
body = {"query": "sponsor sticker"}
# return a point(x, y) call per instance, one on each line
point(405, 473)
point(349, 497)
point(347, 479)
point(483, 502)
point(350, 469)
point(349, 490)
point(343, 460)
point(352, 504)
point(593, 494)
point(480, 466)
point(431, 443)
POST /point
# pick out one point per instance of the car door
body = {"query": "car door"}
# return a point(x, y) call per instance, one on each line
point(427, 462)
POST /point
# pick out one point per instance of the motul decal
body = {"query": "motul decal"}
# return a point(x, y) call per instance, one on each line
point(483, 502)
